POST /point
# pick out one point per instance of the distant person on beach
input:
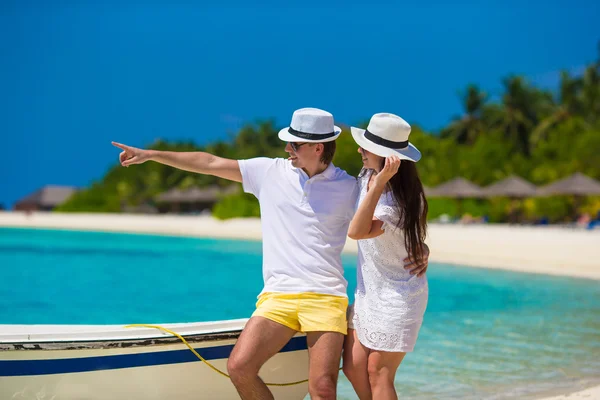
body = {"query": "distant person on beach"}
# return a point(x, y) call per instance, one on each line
point(389, 224)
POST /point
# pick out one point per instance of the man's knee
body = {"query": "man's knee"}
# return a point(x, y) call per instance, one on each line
point(240, 367)
point(323, 387)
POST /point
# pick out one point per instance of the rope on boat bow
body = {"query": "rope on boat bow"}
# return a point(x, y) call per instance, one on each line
point(217, 370)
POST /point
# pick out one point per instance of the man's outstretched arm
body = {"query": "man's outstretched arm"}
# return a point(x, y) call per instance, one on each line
point(199, 162)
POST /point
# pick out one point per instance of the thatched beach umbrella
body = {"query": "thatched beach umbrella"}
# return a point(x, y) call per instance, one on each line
point(516, 189)
point(234, 188)
point(458, 188)
point(206, 195)
point(512, 187)
point(172, 195)
point(143, 208)
point(171, 200)
point(427, 190)
point(194, 198)
point(577, 184)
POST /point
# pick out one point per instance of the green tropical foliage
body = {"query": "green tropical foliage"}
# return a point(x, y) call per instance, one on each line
point(530, 132)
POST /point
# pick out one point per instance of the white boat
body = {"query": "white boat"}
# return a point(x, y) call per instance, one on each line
point(111, 362)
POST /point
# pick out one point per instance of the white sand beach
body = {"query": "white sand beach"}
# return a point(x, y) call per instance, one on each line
point(546, 250)
point(592, 393)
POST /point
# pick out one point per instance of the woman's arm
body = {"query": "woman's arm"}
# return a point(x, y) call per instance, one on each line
point(363, 225)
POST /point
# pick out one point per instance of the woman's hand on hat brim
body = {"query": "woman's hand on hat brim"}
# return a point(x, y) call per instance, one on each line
point(389, 169)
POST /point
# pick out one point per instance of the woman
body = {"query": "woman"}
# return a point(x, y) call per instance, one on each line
point(389, 224)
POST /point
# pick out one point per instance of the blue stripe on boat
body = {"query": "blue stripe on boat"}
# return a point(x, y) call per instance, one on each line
point(99, 363)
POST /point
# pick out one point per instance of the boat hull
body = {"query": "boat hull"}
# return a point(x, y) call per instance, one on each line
point(139, 368)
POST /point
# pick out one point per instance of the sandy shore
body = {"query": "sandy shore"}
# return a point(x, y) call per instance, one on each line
point(547, 250)
point(592, 393)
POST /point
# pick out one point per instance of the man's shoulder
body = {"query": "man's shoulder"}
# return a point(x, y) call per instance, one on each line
point(343, 176)
point(281, 165)
point(262, 162)
point(345, 183)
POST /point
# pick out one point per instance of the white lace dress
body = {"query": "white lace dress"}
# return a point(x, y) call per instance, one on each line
point(389, 302)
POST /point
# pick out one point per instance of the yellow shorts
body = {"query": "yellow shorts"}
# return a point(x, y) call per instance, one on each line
point(304, 312)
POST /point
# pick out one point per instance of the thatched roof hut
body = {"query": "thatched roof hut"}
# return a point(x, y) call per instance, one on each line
point(193, 199)
point(46, 198)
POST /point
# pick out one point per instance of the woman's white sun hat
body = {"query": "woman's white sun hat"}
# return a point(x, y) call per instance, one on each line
point(387, 135)
point(310, 125)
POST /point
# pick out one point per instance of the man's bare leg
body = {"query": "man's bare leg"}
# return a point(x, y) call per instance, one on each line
point(324, 352)
point(260, 340)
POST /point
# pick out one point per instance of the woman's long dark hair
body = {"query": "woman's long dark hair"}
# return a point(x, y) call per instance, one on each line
point(409, 196)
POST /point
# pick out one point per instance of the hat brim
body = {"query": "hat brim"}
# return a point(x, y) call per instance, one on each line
point(286, 136)
point(410, 153)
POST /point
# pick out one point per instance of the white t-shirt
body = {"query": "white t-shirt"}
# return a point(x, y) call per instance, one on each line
point(304, 224)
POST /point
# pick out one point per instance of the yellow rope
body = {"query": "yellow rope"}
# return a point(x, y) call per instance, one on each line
point(202, 358)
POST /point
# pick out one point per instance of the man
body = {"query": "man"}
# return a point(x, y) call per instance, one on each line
point(306, 206)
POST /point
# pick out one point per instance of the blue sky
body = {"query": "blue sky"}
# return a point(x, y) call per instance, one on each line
point(76, 75)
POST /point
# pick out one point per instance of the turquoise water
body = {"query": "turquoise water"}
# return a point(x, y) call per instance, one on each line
point(487, 334)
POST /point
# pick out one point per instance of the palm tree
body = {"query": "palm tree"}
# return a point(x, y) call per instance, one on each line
point(590, 92)
point(523, 106)
point(257, 138)
point(468, 127)
point(578, 96)
point(569, 104)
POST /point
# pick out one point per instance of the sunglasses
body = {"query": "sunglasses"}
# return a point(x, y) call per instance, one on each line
point(295, 146)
